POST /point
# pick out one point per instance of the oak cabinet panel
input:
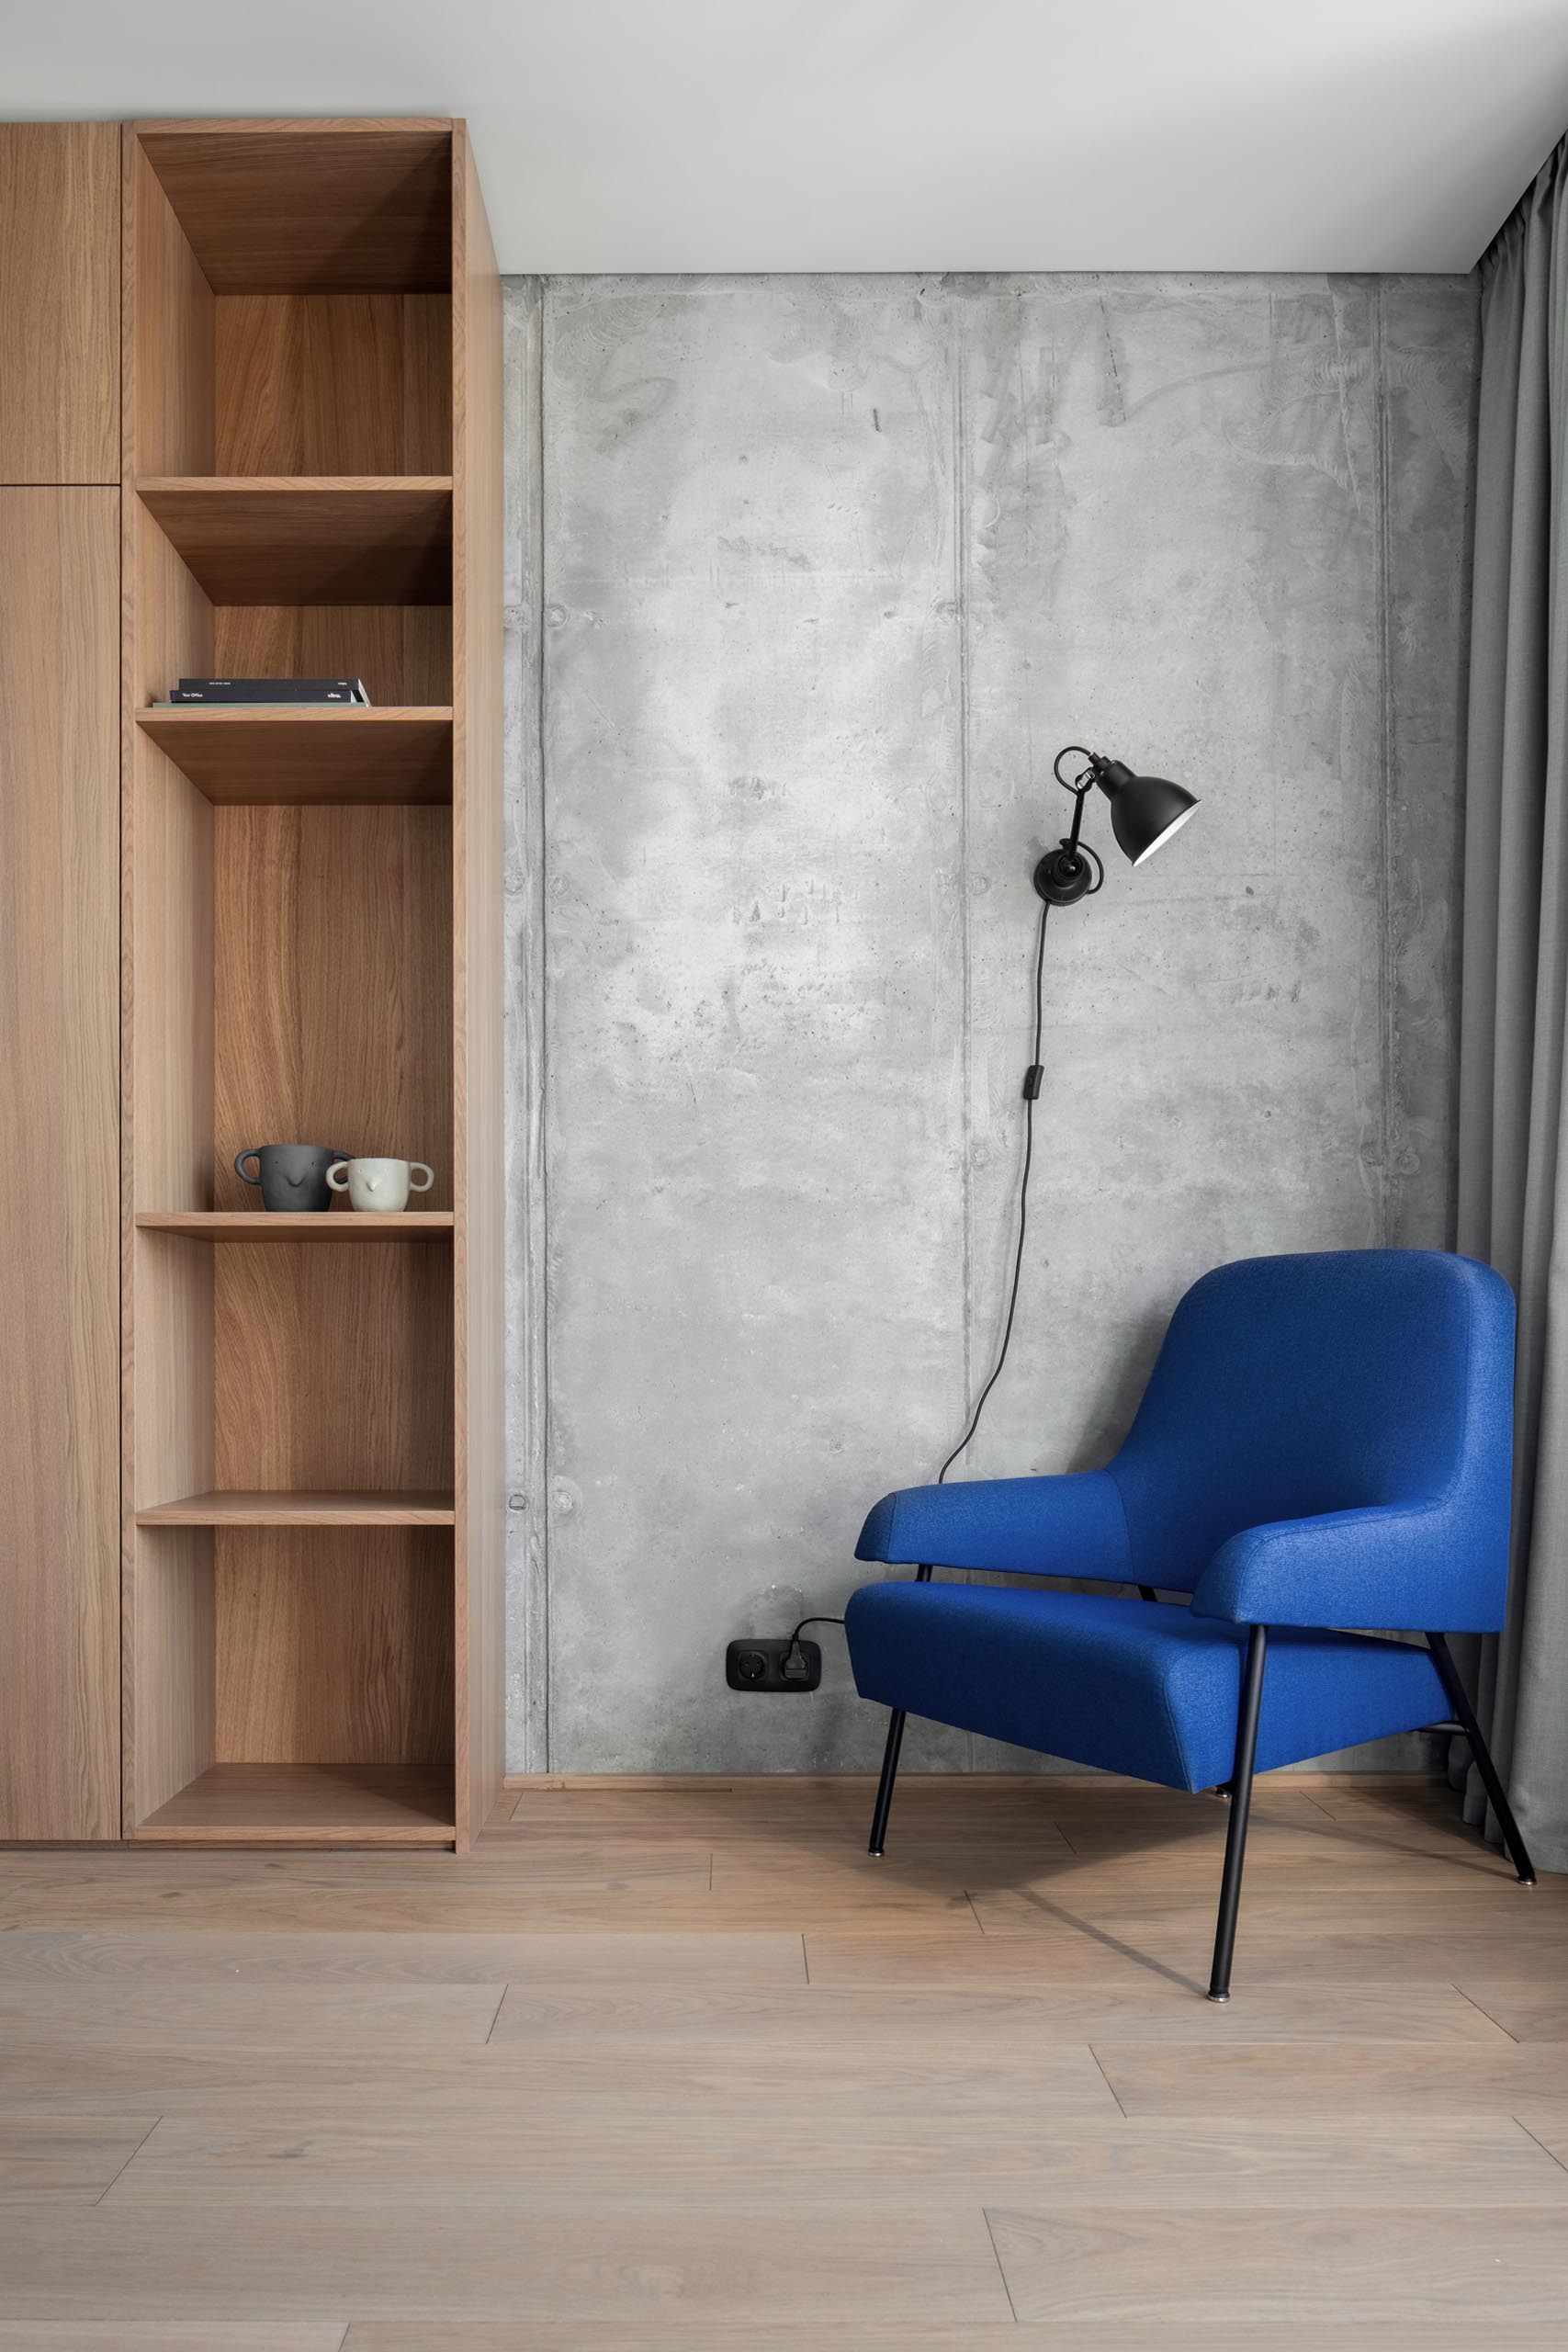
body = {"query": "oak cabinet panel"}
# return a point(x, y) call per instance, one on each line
point(60, 210)
point(60, 1122)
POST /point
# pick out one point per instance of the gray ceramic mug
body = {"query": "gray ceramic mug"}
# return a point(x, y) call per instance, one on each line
point(291, 1175)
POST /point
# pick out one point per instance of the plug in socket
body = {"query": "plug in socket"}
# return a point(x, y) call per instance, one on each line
point(760, 1664)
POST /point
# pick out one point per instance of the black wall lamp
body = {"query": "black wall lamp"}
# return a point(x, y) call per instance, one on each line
point(1146, 812)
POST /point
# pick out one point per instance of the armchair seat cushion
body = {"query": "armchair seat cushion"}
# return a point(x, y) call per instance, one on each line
point(1138, 1687)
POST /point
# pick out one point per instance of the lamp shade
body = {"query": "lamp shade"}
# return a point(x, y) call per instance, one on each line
point(1146, 811)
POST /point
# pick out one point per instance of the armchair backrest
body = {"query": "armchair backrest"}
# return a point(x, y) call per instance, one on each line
point(1290, 1386)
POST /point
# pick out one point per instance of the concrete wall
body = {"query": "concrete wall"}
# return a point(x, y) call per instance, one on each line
point(829, 568)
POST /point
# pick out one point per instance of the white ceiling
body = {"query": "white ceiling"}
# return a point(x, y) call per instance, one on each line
point(887, 134)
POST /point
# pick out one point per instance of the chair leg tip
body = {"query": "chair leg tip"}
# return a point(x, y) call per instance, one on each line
point(874, 1853)
point(1221, 1999)
point(1528, 1881)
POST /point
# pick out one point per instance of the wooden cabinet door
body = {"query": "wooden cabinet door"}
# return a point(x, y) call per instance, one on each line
point(60, 301)
point(59, 1164)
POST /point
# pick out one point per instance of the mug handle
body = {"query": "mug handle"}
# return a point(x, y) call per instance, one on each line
point(240, 1166)
point(332, 1175)
point(428, 1177)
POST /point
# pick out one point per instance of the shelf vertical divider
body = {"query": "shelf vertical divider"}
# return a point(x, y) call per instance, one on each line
point(478, 863)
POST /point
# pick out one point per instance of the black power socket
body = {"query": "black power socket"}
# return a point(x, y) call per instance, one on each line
point(771, 1663)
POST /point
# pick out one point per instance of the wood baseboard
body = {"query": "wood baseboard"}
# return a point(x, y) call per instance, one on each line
point(745, 1783)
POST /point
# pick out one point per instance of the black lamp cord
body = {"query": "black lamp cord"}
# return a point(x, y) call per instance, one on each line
point(1031, 1082)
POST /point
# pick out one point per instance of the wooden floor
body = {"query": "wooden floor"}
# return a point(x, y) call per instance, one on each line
point(660, 2072)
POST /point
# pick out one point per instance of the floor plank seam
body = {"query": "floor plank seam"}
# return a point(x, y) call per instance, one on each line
point(129, 2160)
point(1000, 2265)
point(806, 1959)
point(1109, 2084)
point(1539, 2144)
point(1486, 2014)
point(499, 2006)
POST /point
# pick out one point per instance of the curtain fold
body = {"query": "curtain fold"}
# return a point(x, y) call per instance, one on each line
point(1513, 1147)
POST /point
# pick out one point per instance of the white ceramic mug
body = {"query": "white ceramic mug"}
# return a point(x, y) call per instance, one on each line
point(380, 1183)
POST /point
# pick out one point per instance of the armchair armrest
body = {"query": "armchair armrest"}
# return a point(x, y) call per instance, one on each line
point(1068, 1526)
point(1423, 1566)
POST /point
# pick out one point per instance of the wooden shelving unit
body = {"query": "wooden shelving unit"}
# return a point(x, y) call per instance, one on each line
point(313, 1514)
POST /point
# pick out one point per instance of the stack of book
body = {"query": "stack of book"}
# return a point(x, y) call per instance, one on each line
point(267, 690)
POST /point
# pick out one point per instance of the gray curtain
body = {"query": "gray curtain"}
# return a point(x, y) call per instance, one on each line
point(1513, 1173)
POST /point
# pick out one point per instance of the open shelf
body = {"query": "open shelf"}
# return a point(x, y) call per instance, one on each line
point(293, 755)
point(309, 206)
point(333, 1225)
point(266, 1507)
point(403, 653)
point(304, 1805)
point(327, 540)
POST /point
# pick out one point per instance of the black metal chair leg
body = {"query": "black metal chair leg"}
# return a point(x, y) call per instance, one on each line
point(1241, 1804)
point(885, 1786)
point(890, 1758)
point(1458, 1698)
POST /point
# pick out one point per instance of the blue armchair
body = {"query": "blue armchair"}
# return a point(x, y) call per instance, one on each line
point(1325, 1443)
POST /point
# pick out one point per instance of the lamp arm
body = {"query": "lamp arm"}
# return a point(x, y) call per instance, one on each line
point(1073, 870)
